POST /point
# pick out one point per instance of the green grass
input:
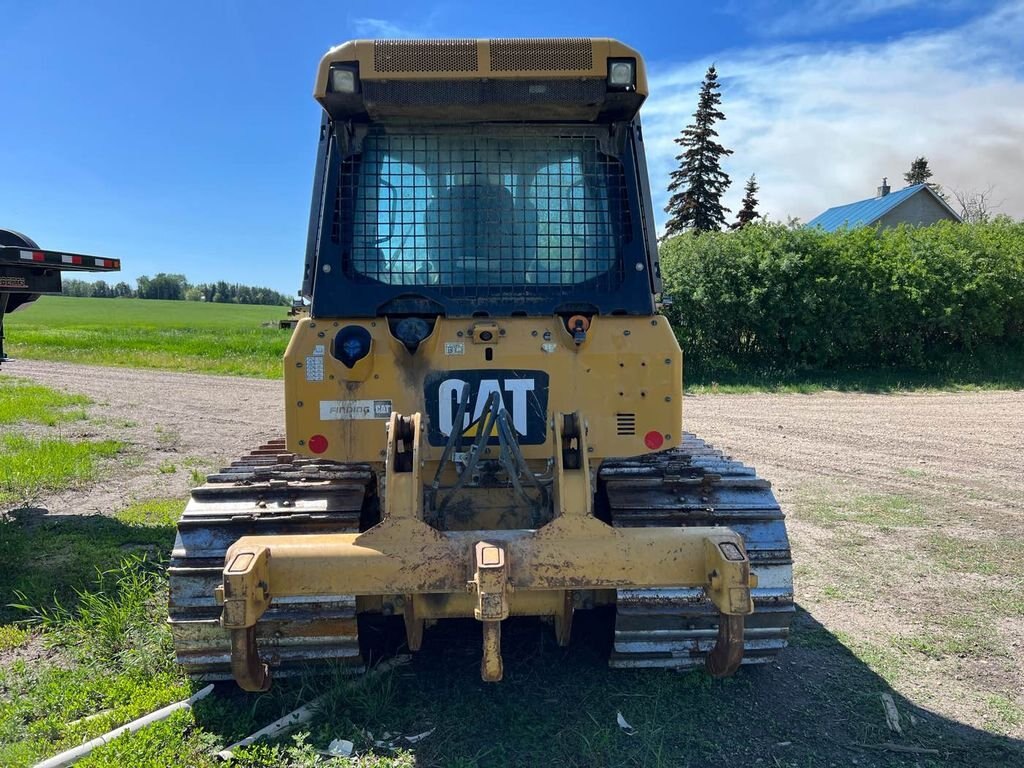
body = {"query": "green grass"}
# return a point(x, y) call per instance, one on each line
point(13, 636)
point(31, 467)
point(137, 333)
point(828, 509)
point(964, 636)
point(556, 706)
point(21, 401)
point(1000, 555)
point(48, 559)
point(159, 512)
point(1004, 713)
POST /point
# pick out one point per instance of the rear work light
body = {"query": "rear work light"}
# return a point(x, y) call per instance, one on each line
point(351, 344)
point(622, 73)
point(344, 78)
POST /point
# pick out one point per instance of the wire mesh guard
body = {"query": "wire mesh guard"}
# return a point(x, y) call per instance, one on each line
point(501, 210)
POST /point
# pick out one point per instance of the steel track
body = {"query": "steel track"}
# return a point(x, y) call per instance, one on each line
point(695, 485)
point(268, 492)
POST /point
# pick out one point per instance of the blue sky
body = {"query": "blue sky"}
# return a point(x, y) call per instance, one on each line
point(180, 137)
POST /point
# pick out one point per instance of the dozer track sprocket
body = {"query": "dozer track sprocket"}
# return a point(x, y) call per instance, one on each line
point(267, 492)
point(688, 486)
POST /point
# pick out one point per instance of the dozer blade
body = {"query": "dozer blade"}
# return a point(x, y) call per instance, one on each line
point(695, 485)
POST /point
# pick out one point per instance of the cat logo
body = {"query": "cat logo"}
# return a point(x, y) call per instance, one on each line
point(523, 394)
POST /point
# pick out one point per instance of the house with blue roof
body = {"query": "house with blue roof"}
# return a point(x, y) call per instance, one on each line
point(917, 205)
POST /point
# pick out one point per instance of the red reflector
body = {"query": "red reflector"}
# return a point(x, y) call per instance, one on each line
point(38, 256)
point(115, 264)
point(653, 440)
point(317, 443)
point(76, 259)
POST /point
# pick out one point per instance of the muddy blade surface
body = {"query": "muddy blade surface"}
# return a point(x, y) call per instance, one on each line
point(266, 493)
point(695, 485)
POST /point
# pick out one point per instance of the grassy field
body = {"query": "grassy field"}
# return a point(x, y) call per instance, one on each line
point(171, 335)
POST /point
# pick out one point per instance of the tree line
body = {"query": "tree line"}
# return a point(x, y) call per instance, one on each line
point(175, 287)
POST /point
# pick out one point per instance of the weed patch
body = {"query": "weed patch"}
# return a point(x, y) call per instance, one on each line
point(159, 512)
point(1004, 713)
point(49, 560)
point(962, 636)
point(21, 401)
point(30, 468)
point(12, 637)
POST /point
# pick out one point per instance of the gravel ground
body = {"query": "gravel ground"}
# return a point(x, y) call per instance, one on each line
point(961, 445)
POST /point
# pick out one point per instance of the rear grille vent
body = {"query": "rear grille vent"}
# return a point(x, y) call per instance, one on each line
point(425, 56)
point(526, 55)
point(625, 423)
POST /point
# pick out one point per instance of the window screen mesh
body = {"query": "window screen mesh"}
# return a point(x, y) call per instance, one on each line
point(496, 211)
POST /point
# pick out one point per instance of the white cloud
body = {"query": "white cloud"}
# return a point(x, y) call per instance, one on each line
point(821, 125)
point(817, 15)
point(382, 28)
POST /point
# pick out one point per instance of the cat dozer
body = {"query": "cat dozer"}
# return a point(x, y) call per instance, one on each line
point(484, 406)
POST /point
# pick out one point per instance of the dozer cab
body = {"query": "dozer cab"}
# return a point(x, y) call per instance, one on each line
point(484, 407)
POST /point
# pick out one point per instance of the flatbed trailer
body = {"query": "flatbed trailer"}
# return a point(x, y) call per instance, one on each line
point(28, 272)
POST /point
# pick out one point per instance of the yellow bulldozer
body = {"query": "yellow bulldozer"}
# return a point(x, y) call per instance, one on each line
point(484, 406)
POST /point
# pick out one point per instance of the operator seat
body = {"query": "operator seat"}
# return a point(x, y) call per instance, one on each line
point(476, 234)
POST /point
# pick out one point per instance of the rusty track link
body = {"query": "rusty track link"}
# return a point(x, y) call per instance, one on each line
point(267, 492)
point(696, 485)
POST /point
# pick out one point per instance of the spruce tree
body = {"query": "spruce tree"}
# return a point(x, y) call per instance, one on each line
point(749, 210)
point(698, 184)
point(919, 173)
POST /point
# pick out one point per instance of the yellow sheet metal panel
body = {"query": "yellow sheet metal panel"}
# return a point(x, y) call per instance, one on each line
point(626, 379)
point(467, 59)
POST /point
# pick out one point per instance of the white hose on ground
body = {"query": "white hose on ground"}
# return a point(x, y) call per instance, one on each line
point(306, 712)
point(282, 725)
point(77, 753)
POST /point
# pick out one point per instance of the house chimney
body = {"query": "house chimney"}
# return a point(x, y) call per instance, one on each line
point(884, 189)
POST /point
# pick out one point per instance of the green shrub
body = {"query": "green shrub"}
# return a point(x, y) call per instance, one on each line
point(769, 298)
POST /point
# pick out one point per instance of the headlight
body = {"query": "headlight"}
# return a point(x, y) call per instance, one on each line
point(621, 73)
point(344, 78)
